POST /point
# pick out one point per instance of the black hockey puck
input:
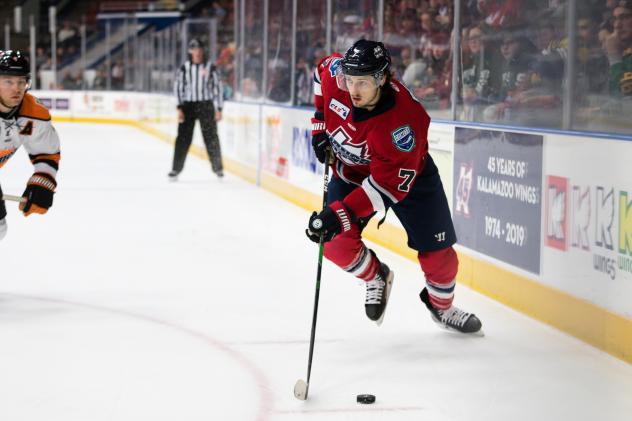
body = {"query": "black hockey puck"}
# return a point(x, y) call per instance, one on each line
point(365, 398)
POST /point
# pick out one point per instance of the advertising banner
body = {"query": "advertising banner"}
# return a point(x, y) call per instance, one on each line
point(275, 148)
point(306, 171)
point(287, 147)
point(57, 102)
point(587, 244)
point(240, 131)
point(497, 194)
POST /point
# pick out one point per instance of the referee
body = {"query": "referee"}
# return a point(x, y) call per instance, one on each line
point(199, 92)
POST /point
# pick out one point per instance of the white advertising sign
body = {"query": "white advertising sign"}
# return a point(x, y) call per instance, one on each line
point(587, 220)
point(239, 132)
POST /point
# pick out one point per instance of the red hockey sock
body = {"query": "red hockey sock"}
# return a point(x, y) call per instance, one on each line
point(365, 266)
point(440, 268)
point(349, 253)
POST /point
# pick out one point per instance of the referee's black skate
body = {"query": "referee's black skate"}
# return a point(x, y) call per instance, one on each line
point(454, 318)
point(173, 175)
point(377, 292)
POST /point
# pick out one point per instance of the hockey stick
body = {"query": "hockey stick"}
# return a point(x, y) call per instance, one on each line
point(302, 387)
point(14, 198)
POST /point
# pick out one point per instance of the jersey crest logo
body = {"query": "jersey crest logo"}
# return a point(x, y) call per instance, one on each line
point(339, 108)
point(404, 138)
point(333, 67)
point(347, 151)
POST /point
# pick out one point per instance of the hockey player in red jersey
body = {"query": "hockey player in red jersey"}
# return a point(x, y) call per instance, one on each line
point(26, 122)
point(378, 133)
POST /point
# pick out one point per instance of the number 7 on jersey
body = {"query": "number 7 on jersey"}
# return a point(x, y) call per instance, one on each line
point(408, 176)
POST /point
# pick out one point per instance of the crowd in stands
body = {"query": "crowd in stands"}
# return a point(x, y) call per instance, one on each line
point(514, 55)
point(513, 58)
point(68, 47)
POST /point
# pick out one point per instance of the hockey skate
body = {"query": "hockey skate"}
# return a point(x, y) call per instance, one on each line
point(454, 318)
point(377, 292)
point(173, 175)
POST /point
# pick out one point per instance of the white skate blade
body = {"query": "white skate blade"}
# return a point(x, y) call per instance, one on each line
point(387, 293)
point(300, 390)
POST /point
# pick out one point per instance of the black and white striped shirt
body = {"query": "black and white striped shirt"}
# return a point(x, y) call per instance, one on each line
point(199, 82)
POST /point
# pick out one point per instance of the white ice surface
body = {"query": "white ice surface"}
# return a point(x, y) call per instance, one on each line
point(139, 299)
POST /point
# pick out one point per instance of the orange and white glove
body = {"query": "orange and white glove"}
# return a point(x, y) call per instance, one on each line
point(38, 193)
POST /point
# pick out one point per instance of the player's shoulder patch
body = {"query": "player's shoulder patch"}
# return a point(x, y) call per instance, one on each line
point(32, 108)
point(404, 138)
point(339, 108)
point(333, 66)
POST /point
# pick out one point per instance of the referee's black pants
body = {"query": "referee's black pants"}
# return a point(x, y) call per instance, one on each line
point(205, 112)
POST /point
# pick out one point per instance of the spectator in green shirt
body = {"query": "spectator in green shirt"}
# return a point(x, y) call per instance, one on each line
point(619, 51)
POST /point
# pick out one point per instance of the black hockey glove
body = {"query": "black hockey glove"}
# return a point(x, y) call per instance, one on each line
point(336, 218)
point(320, 143)
point(38, 193)
point(320, 140)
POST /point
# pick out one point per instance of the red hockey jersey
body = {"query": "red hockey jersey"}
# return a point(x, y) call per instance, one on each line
point(383, 150)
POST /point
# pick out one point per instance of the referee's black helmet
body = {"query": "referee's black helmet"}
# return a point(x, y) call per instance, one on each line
point(196, 43)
